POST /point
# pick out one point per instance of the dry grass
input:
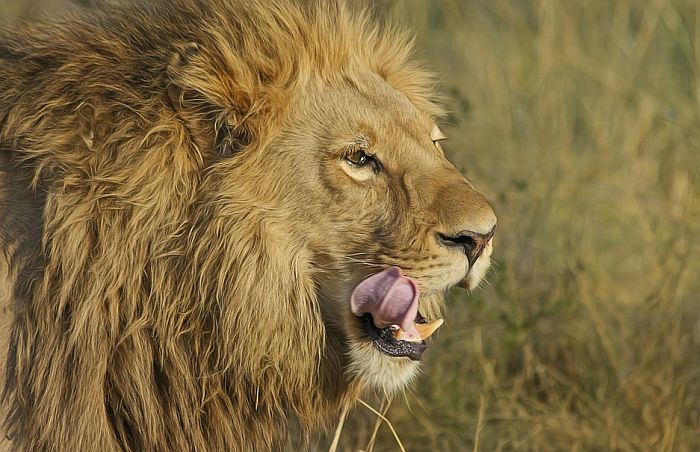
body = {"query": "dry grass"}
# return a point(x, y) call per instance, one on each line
point(580, 120)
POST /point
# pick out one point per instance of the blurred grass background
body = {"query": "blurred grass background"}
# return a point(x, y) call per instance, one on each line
point(580, 121)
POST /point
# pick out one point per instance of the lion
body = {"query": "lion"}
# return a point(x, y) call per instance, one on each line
point(216, 217)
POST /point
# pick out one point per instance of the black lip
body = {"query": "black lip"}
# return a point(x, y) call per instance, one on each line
point(385, 342)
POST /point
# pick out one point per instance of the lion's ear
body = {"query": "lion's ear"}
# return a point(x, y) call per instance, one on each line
point(213, 114)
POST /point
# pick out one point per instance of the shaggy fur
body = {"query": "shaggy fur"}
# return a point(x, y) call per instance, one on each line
point(180, 230)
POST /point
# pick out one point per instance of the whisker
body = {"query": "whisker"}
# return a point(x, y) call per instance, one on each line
point(363, 262)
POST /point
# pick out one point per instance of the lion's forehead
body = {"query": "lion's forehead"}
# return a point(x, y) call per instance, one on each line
point(368, 106)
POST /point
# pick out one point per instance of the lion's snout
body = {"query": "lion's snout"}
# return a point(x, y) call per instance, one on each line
point(471, 221)
point(467, 228)
point(470, 242)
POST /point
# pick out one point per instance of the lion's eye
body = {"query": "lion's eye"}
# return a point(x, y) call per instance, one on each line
point(359, 158)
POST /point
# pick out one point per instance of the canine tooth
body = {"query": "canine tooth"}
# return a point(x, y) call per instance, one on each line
point(402, 335)
point(427, 329)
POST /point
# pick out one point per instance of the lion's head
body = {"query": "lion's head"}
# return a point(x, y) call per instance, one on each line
point(367, 187)
point(266, 220)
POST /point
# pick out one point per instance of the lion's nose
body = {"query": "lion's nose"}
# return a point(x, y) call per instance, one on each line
point(470, 242)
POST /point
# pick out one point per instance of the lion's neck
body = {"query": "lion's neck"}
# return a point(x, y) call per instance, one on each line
point(256, 290)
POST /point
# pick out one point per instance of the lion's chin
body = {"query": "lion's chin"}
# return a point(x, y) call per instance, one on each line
point(380, 371)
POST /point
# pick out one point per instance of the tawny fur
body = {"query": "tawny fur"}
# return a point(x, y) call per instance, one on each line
point(172, 284)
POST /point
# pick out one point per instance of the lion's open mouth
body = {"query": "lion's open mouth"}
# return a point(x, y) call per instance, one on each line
point(387, 305)
point(385, 339)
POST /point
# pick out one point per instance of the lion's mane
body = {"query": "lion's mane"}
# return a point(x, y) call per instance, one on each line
point(156, 305)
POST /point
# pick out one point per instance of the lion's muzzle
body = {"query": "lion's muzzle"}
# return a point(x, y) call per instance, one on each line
point(470, 242)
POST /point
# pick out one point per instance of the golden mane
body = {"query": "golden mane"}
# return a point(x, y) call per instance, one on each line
point(161, 305)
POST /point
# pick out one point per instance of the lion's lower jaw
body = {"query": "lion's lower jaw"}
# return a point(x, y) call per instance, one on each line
point(377, 371)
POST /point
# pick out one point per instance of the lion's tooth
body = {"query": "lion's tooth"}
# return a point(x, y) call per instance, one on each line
point(427, 329)
point(418, 331)
point(411, 336)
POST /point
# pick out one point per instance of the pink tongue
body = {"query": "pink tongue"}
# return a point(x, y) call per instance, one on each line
point(390, 297)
